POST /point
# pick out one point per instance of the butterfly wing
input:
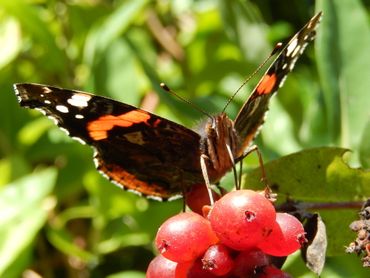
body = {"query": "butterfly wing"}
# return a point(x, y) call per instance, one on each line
point(135, 149)
point(251, 115)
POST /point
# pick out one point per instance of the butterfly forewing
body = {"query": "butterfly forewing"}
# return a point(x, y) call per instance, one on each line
point(251, 115)
point(134, 148)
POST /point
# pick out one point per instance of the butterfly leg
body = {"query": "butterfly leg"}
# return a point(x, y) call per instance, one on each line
point(236, 180)
point(268, 192)
point(254, 148)
point(183, 201)
point(240, 174)
point(203, 166)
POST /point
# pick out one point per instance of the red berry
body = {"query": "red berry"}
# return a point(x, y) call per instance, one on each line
point(184, 237)
point(161, 267)
point(218, 260)
point(271, 271)
point(197, 271)
point(242, 218)
point(197, 197)
point(286, 237)
point(182, 269)
point(248, 261)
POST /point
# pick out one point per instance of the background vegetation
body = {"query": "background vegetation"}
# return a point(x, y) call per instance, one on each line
point(58, 216)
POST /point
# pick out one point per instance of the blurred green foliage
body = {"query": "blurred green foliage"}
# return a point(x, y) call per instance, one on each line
point(59, 217)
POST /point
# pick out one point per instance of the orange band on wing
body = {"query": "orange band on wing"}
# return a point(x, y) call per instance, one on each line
point(267, 84)
point(98, 129)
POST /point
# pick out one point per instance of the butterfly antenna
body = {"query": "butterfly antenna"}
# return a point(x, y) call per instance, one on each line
point(273, 52)
point(169, 90)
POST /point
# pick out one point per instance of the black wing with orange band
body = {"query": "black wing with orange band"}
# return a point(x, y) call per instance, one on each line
point(133, 148)
point(251, 116)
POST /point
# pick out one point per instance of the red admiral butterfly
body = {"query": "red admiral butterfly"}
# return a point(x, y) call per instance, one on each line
point(147, 154)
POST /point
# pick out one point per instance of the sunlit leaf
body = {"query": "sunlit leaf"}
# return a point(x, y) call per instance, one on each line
point(243, 23)
point(23, 210)
point(342, 57)
point(127, 274)
point(32, 131)
point(365, 146)
point(37, 28)
point(104, 33)
point(10, 40)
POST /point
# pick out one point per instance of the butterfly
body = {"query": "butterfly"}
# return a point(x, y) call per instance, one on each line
point(153, 156)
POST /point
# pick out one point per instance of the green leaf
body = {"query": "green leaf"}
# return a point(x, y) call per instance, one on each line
point(104, 33)
point(280, 123)
point(365, 146)
point(12, 167)
point(61, 239)
point(117, 242)
point(33, 130)
point(176, 106)
point(127, 274)
point(116, 74)
point(243, 24)
point(343, 45)
point(30, 20)
point(318, 174)
point(10, 40)
point(23, 209)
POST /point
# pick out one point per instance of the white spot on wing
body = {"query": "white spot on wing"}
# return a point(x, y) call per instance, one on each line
point(291, 47)
point(96, 162)
point(79, 140)
point(296, 51)
point(62, 108)
point(292, 64)
point(52, 118)
point(282, 81)
point(46, 90)
point(134, 191)
point(65, 130)
point(79, 100)
point(156, 198)
point(178, 196)
point(79, 116)
point(47, 101)
point(42, 111)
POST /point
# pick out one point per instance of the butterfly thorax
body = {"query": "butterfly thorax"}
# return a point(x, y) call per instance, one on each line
point(220, 144)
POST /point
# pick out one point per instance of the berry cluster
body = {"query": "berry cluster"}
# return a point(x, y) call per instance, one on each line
point(236, 238)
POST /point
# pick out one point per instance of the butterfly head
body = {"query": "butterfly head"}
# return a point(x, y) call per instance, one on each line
point(219, 144)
